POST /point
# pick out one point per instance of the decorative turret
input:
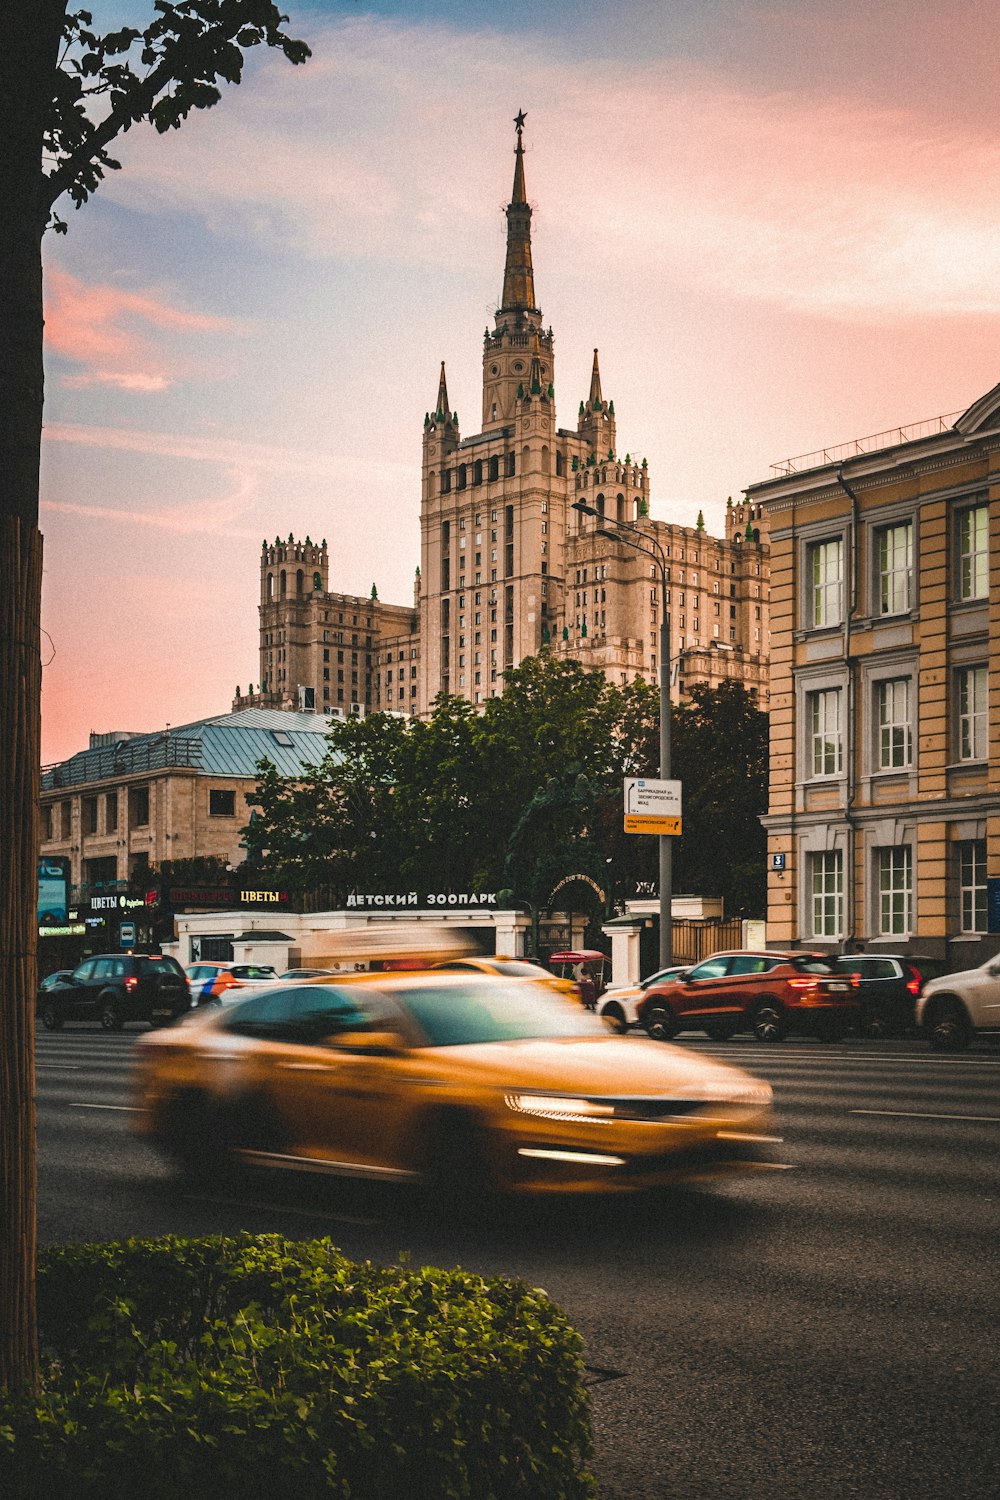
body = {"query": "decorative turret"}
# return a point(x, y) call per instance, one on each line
point(293, 569)
point(440, 425)
point(596, 421)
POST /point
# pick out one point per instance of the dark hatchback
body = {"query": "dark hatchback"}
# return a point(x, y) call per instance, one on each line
point(888, 986)
point(115, 988)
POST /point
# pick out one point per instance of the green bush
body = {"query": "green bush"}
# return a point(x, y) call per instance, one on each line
point(192, 1368)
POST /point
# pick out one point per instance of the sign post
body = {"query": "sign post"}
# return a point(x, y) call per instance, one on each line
point(652, 806)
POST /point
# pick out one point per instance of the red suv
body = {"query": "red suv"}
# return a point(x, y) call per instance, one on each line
point(769, 994)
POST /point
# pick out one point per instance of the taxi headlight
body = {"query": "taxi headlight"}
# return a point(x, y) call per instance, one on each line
point(559, 1107)
point(747, 1093)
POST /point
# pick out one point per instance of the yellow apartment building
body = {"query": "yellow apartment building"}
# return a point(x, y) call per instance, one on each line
point(884, 809)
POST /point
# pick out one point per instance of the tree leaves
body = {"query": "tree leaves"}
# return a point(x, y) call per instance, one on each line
point(184, 54)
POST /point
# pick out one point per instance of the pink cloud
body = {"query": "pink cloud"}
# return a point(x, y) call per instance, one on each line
point(107, 330)
point(768, 189)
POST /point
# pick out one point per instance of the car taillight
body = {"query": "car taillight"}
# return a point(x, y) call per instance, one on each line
point(131, 982)
point(913, 985)
point(801, 984)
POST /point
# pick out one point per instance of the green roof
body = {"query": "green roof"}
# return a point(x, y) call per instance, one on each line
point(227, 745)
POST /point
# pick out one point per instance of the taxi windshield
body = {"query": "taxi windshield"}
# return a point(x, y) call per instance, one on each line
point(457, 1015)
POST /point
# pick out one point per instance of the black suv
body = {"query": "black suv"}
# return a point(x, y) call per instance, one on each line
point(117, 987)
point(888, 986)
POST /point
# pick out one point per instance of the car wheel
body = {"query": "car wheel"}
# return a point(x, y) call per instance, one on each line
point(110, 1016)
point(615, 1017)
point(52, 1020)
point(720, 1031)
point(194, 1136)
point(768, 1023)
point(949, 1028)
point(457, 1173)
point(660, 1024)
point(252, 1124)
point(875, 1023)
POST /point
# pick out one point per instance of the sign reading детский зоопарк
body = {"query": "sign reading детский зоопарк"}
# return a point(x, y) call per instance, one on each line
point(652, 806)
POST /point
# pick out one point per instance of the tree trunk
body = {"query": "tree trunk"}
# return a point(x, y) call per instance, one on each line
point(20, 686)
point(28, 60)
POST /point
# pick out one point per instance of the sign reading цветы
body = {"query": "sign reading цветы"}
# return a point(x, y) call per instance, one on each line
point(652, 806)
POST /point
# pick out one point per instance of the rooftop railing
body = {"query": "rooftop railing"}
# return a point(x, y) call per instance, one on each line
point(892, 438)
point(126, 758)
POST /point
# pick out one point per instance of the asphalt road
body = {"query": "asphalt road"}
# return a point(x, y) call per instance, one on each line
point(826, 1332)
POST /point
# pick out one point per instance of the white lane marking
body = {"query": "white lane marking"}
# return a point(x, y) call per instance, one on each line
point(66, 1067)
point(914, 1114)
point(733, 1054)
point(129, 1109)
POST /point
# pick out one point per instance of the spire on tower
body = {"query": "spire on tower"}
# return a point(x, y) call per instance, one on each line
point(442, 409)
point(518, 277)
point(596, 401)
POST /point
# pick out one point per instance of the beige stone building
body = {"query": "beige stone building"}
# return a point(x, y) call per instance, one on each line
point(130, 801)
point(507, 567)
point(884, 811)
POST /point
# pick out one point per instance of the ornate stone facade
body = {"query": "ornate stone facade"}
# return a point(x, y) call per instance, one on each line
point(508, 568)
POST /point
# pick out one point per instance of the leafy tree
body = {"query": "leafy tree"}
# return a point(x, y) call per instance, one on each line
point(518, 796)
point(720, 753)
point(66, 94)
point(335, 825)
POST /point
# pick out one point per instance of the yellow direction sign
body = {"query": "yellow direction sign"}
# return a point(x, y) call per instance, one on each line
point(652, 806)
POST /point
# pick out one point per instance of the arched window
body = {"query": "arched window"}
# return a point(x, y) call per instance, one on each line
point(270, 585)
point(461, 477)
point(525, 456)
point(599, 505)
point(510, 466)
point(545, 460)
point(620, 508)
point(299, 581)
point(495, 467)
point(317, 582)
point(284, 583)
point(477, 471)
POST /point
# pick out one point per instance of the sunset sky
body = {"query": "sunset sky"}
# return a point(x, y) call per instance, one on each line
point(778, 223)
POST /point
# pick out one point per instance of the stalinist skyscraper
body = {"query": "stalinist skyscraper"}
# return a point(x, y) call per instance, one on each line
point(507, 568)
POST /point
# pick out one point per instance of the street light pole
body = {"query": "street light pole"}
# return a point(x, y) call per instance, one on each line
point(624, 531)
point(666, 848)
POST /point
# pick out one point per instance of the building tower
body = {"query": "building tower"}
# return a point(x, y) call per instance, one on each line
point(494, 505)
point(507, 568)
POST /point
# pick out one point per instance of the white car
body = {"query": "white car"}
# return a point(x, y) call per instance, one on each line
point(618, 1004)
point(955, 1008)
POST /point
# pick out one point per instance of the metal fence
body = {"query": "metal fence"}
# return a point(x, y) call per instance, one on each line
point(694, 940)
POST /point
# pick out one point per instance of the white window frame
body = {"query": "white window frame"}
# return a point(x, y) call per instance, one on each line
point(972, 551)
point(825, 583)
point(894, 567)
point(972, 712)
point(894, 889)
point(894, 724)
point(826, 892)
point(972, 886)
point(824, 733)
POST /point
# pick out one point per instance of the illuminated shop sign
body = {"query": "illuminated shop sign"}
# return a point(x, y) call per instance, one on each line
point(431, 898)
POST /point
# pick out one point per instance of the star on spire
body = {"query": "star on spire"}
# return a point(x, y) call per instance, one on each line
point(519, 120)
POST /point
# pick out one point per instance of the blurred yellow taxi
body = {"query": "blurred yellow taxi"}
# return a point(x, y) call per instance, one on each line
point(508, 968)
point(443, 1079)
